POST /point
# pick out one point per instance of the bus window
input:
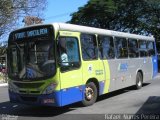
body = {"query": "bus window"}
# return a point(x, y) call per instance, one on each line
point(143, 48)
point(106, 47)
point(133, 48)
point(121, 48)
point(151, 48)
point(89, 47)
point(69, 53)
point(14, 60)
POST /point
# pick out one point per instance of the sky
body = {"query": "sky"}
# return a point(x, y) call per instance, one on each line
point(60, 10)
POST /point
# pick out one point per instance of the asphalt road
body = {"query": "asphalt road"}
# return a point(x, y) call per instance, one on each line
point(122, 102)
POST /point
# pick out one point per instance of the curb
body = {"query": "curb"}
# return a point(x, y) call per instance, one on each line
point(3, 84)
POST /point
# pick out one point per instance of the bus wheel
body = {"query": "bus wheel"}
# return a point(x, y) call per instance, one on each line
point(90, 94)
point(139, 80)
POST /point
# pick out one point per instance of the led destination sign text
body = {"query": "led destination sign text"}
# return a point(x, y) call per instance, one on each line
point(32, 33)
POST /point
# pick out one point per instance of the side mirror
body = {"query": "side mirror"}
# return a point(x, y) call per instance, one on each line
point(63, 64)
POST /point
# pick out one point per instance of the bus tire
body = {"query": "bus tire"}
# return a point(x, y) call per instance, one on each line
point(139, 81)
point(90, 94)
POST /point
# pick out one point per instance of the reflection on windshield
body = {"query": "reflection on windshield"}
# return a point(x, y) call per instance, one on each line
point(32, 60)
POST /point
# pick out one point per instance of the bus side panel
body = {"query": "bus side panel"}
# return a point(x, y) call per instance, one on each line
point(71, 78)
point(71, 86)
point(72, 95)
point(120, 74)
point(104, 85)
point(146, 67)
point(97, 70)
point(112, 75)
point(144, 64)
point(123, 71)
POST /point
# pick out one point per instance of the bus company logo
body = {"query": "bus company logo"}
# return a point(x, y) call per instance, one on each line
point(123, 67)
point(90, 68)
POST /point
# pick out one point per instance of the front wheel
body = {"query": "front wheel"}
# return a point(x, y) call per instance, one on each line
point(90, 94)
point(139, 81)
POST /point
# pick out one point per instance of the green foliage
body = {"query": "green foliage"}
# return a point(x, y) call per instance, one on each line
point(133, 16)
point(3, 48)
point(5, 13)
point(93, 12)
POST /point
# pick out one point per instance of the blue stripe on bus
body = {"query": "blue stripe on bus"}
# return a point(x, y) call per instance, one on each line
point(101, 87)
point(155, 66)
point(72, 95)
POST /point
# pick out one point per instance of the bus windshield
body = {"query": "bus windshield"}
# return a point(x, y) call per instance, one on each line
point(31, 57)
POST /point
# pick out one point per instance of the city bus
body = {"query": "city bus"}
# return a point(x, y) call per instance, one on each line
point(59, 64)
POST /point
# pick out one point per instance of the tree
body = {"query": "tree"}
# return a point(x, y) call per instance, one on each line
point(133, 16)
point(30, 20)
point(153, 11)
point(3, 48)
point(12, 10)
point(97, 13)
point(6, 15)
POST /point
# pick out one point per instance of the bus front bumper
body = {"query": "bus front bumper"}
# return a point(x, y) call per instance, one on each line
point(52, 99)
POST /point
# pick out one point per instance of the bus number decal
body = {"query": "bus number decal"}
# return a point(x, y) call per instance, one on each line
point(123, 67)
point(99, 72)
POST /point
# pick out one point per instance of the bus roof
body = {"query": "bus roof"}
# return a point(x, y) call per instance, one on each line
point(92, 30)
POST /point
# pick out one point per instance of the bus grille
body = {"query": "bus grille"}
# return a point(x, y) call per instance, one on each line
point(26, 92)
point(29, 99)
point(28, 85)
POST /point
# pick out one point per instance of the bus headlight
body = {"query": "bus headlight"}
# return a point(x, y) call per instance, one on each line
point(12, 87)
point(49, 89)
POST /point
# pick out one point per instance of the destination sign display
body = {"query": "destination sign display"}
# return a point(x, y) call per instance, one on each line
point(31, 33)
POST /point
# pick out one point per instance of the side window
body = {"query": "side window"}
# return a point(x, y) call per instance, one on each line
point(121, 47)
point(143, 48)
point(14, 60)
point(89, 47)
point(151, 48)
point(106, 47)
point(17, 56)
point(133, 48)
point(69, 52)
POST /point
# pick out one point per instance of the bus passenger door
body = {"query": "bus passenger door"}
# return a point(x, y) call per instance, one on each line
point(70, 67)
point(107, 55)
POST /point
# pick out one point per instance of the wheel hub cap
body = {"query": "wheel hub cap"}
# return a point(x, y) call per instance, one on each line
point(89, 93)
